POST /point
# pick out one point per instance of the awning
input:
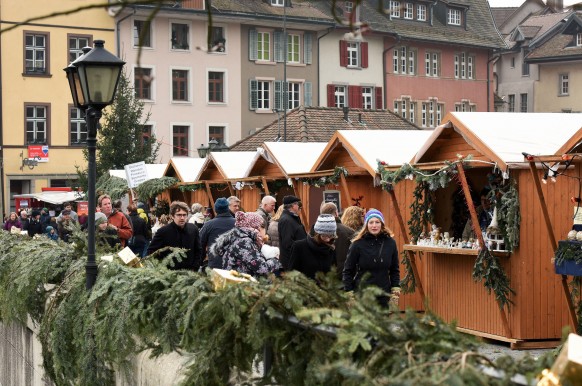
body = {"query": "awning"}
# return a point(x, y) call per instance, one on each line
point(52, 197)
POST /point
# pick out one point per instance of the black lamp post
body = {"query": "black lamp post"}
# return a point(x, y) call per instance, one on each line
point(213, 146)
point(93, 79)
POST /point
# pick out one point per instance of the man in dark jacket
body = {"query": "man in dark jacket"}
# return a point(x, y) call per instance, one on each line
point(34, 225)
point(290, 229)
point(179, 234)
point(222, 223)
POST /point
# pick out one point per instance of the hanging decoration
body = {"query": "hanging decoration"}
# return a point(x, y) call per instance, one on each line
point(408, 282)
point(421, 211)
point(488, 270)
point(326, 180)
point(357, 201)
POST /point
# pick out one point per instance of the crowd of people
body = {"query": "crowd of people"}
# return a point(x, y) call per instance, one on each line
point(358, 246)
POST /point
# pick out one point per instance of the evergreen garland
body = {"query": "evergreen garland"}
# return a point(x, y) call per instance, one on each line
point(488, 270)
point(408, 283)
point(508, 214)
point(326, 180)
point(421, 210)
point(191, 187)
point(151, 188)
point(115, 187)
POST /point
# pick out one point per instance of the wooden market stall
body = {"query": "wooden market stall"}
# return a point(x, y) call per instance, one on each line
point(277, 163)
point(185, 169)
point(474, 150)
point(358, 152)
point(221, 176)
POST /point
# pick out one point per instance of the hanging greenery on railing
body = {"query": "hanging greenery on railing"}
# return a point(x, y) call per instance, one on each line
point(488, 270)
point(274, 186)
point(508, 214)
point(155, 186)
point(334, 179)
point(421, 210)
point(408, 282)
point(113, 186)
point(191, 187)
point(434, 180)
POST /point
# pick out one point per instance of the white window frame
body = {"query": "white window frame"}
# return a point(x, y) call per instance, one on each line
point(153, 82)
point(404, 60)
point(260, 37)
point(217, 124)
point(79, 122)
point(367, 97)
point(432, 64)
point(300, 90)
point(421, 12)
point(394, 8)
point(189, 38)
point(457, 72)
point(564, 89)
point(224, 86)
point(511, 103)
point(353, 54)
point(453, 16)
point(188, 85)
point(290, 45)
point(579, 39)
point(136, 38)
point(409, 11)
point(521, 104)
point(278, 3)
point(349, 6)
point(261, 98)
point(339, 92)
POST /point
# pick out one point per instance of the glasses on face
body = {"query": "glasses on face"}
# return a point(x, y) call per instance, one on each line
point(181, 215)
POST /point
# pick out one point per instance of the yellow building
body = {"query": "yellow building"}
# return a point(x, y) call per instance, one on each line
point(37, 116)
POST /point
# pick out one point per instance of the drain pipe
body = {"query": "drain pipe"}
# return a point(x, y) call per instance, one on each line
point(319, 61)
point(117, 37)
point(384, 70)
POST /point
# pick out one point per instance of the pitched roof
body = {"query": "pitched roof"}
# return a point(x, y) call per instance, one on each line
point(501, 14)
point(536, 27)
point(284, 155)
point(230, 165)
point(560, 43)
point(186, 168)
point(480, 31)
point(318, 124)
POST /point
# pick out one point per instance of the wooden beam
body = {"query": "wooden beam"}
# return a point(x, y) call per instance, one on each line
point(411, 254)
point(209, 194)
point(345, 189)
point(230, 188)
point(265, 186)
point(553, 243)
point(477, 228)
point(302, 213)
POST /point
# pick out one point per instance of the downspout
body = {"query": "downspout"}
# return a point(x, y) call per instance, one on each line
point(2, 202)
point(384, 70)
point(117, 37)
point(319, 61)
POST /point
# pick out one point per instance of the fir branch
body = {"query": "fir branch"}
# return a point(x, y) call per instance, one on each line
point(151, 188)
point(408, 282)
point(488, 270)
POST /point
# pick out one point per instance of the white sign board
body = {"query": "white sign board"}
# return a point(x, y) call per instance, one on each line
point(136, 174)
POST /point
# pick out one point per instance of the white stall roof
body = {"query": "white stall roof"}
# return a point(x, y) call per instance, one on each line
point(294, 157)
point(154, 171)
point(187, 168)
point(53, 197)
point(395, 147)
point(233, 164)
point(508, 135)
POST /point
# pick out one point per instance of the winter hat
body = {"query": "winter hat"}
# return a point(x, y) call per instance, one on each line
point(251, 220)
point(325, 225)
point(290, 200)
point(45, 210)
point(35, 213)
point(374, 213)
point(100, 218)
point(221, 205)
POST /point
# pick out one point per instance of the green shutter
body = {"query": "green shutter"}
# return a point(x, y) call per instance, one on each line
point(278, 95)
point(307, 47)
point(307, 94)
point(253, 94)
point(253, 44)
point(279, 46)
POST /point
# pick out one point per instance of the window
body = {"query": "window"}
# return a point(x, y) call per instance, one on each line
point(146, 135)
point(409, 11)
point(464, 66)
point(349, 6)
point(465, 105)
point(36, 53)
point(216, 86)
point(76, 43)
point(579, 39)
point(564, 84)
point(421, 12)
point(142, 29)
point(218, 40)
point(353, 54)
point(78, 126)
point(394, 8)
point(340, 96)
point(511, 103)
point(293, 48)
point(293, 95)
point(523, 103)
point(512, 62)
point(525, 69)
point(432, 113)
point(263, 43)
point(143, 83)
point(405, 108)
point(180, 85)
point(36, 124)
point(404, 61)
point(367, 98)
point(263, 95)
point(454, 16)
point(278, 3)
point(217, 133)
point(180, 140)
point(432, 64)
point(180, 36)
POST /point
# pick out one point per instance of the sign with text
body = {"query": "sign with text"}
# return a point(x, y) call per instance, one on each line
point(136, 174)
point(82, 207)
point(39, 153)
point(333, 196)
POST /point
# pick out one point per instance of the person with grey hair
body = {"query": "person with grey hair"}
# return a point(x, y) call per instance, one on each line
point(197, 217)
point(266, 209)
point(233, 205)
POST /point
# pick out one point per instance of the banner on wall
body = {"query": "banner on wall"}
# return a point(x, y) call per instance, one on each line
point(38, 152)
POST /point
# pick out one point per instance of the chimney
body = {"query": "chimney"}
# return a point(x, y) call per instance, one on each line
point(556, 5)
point(346, 111)
point(360, 117)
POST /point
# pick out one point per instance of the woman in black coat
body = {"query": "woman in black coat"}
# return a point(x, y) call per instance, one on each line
point(316, 254)
point(141, 232)
point(374, 253)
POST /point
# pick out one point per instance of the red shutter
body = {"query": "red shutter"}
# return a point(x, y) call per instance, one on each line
point(355, 97)
point(364, 52)
point(379, 104)
point(343, 53)
point(330, 95)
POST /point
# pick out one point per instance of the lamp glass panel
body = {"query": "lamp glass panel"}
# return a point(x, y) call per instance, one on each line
point(101, 82)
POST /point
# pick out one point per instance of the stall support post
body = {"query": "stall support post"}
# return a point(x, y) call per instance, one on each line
point(554, 244)
point(209, 194)
point(477, 228)
point(265, 186)
point(230, 188)
point(302, 213)
point(411, 254)
point(346, 190)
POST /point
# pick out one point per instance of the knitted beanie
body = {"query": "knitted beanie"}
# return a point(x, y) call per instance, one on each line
point(374, 213)
point(251, 220)
point(325, 225)
point(221, 205)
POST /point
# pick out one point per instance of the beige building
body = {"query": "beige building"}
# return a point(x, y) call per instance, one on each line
point(37, 117)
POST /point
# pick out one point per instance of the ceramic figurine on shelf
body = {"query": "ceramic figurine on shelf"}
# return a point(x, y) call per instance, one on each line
point(572, 235)
point(579, 236)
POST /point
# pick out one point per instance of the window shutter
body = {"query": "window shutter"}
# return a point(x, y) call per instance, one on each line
point(253, 94)
point(307, 94)
point(343, 53)
point(307, 47)
point(279, 46)
point(355, 97)
point(330, 95)
point(253, 48)
point(379, 105)
point(364, 53)
point(278, 95)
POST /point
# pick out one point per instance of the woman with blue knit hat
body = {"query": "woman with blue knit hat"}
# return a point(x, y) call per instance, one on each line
point(374, 254)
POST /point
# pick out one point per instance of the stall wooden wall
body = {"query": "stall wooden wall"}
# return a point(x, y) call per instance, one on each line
point(250, 198)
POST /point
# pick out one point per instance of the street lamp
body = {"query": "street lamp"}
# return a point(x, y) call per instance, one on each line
point(213, 146)
point(93, 79)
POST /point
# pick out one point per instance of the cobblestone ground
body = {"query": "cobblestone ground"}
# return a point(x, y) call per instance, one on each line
point(494, 350)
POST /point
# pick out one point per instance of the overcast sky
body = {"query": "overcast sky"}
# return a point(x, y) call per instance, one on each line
point(517, 3)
